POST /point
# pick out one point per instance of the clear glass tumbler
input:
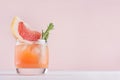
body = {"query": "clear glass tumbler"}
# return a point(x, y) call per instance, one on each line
point(31, 58)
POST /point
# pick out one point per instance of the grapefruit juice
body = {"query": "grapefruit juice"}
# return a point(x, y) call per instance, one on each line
point(31, 58)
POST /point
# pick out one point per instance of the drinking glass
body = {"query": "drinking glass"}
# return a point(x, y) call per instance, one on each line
point(31, 57)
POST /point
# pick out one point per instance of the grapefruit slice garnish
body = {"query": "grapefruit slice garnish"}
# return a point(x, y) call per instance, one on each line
point(28, 34)
point(23, 31)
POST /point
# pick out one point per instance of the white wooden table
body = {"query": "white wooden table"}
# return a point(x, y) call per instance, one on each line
point(64, 75)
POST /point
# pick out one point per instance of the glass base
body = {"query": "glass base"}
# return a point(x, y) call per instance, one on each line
point(31, 71)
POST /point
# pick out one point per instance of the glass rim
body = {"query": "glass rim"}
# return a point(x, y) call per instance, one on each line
point(40, 41)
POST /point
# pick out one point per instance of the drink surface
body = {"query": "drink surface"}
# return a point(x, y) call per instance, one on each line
point(31, 56)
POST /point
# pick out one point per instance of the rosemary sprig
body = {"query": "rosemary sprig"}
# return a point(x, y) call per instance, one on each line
point(45, 34)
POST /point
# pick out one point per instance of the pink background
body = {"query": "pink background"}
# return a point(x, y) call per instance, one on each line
point(86, 34)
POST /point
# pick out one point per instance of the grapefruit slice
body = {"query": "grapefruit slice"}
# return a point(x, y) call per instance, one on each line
point(23, 31)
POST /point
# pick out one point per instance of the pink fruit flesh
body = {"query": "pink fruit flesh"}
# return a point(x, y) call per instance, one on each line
point(28, 34)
